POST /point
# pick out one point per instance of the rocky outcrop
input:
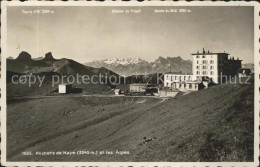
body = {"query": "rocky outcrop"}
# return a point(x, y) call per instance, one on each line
point(48, 56)
point(24, 56)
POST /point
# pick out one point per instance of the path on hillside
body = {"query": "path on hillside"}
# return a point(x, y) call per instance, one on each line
point(215, 124)
point(80, 95)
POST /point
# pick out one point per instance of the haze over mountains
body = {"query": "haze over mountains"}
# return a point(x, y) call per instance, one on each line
point(131, 66)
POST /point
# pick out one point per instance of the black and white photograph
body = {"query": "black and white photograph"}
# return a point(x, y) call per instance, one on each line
point(146, 82)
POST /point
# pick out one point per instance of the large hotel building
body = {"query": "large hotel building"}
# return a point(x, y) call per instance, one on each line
point(213, 65)
point(205, 65)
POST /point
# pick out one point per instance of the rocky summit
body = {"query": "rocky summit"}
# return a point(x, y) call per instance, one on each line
point(24, 56)
point(48, 56)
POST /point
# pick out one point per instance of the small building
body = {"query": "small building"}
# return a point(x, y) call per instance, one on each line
point(65, 88)
point(168, 93)
point(244, 72)
point(139, 87)
point(118, 91)
point(183, 82)
point(206, 84)
point(175, 80)
point(152, 91)
point(189, 86)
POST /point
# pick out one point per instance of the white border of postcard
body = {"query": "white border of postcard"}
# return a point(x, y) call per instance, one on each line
point(136, 3)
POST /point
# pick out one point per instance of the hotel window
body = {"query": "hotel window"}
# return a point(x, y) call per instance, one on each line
point(204, 72)
point(190, 86)
point(211, 73)
point(203, 56)
point(204, 67)
point(198, 56)
point(211, 61)
point(175, 77)
point(198, 67)
point(198, 73)
point(211, 67)
point(204, 61)
point(197, 62)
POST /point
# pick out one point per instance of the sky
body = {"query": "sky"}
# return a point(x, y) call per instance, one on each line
point(96, 33)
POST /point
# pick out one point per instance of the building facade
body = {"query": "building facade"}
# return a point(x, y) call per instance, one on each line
point(65, 88)
point(168, 93)
point(118, 91)
point(207, 68)
point(214, 65)
point(139, 87)
point(183, 82)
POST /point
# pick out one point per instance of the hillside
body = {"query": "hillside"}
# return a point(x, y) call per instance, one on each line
point(25, 64)
point(22, 90)
point(215, 124)
point(49, 67)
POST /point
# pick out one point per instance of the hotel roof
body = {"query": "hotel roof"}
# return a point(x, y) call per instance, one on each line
point(140, 84)
point(208, 53)
point(178, 73)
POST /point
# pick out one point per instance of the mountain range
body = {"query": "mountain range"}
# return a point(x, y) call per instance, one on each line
point(133, 66)
point(49, 67)
point(26, 65)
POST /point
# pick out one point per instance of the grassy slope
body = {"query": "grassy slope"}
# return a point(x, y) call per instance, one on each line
point(19, 90)
point(209, 125)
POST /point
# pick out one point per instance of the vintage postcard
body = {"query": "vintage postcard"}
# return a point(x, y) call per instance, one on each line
point(130, 84)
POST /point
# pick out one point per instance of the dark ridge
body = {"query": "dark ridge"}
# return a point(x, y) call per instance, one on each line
point(24, 56)
point(48, 56)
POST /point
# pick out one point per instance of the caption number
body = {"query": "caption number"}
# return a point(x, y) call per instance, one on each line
point(27, 153)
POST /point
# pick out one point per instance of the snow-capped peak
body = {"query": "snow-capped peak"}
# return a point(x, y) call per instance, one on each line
point(123, 61)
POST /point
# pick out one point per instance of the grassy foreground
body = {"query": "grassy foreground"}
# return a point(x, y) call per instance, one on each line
point(216, 124)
